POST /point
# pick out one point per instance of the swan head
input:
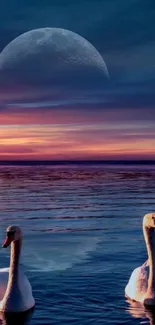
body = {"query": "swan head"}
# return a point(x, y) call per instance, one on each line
point(13, 233)
point(149, 220)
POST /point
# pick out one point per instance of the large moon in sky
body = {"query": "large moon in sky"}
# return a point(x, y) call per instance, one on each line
point(51, 55)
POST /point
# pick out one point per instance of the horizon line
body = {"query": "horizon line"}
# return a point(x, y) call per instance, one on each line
point(74, 161)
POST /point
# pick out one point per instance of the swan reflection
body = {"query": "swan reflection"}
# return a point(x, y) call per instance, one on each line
point(16, 318)
point(138, 310)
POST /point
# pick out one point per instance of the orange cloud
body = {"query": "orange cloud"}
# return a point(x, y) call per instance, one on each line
point(76, 141)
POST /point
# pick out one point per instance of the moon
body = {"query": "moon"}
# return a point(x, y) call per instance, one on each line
point(49, 56)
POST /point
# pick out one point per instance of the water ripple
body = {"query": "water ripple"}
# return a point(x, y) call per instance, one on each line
point(81, 225)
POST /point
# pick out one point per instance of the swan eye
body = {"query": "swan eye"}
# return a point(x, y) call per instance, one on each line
point(10, 233)
point(153, 219)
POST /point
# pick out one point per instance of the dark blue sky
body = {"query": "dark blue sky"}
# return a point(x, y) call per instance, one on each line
point(122, 31)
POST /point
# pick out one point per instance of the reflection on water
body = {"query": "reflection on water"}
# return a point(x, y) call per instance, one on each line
point(137, 310)
point(81, 225)
point(16, 318)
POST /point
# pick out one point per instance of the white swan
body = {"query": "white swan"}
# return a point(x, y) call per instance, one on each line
point(141, 285)
point(15, 289)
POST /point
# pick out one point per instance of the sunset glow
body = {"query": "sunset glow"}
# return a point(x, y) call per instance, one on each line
point(59, 135)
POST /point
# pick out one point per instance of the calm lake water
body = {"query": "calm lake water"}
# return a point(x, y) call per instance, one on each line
point(83, 237)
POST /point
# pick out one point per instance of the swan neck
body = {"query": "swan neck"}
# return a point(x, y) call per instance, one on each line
point(148, 235)
point(15, 256)
point(12, 289)
point(14, 263)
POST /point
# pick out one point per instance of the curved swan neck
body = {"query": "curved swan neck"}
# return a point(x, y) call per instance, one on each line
point(12, 286)
point(148, 235)
point(14, 259)
point(14, 266)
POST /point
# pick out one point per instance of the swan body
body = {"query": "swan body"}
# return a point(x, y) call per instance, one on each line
point(141, 285)
point(15, 288)
point(138, 283)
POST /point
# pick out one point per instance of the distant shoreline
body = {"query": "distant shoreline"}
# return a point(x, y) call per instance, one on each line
point(76, 162)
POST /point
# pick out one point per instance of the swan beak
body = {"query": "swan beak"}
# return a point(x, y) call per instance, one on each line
point(7, 242)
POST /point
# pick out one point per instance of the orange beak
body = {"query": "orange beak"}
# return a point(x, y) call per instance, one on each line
point(7, 241)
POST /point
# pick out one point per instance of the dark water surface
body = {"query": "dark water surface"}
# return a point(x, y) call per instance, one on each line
point(82, 238)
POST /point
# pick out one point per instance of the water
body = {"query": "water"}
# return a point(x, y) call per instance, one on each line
point(82, 237)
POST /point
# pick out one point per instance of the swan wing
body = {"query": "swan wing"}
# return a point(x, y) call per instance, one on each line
point(27, 299)
point(26, 291)
point(138, 283)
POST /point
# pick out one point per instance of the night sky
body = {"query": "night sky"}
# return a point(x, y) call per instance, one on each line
point(51, 110)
